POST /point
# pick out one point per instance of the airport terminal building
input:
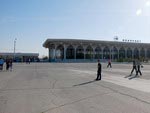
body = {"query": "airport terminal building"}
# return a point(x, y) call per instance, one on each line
point(74, 50)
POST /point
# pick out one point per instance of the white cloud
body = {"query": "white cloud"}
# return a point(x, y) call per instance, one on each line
point(139, 12)
point(148, 3)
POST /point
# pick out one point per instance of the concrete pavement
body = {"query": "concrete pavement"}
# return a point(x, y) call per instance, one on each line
point(70, 88)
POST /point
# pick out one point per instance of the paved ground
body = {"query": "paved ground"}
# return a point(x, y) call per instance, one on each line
point(70, 88)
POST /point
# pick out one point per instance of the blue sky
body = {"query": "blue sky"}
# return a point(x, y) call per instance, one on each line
point(33, 21)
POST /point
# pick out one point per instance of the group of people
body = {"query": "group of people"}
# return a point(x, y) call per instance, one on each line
point(8, 64)
point(28, 61)
point(137, 67)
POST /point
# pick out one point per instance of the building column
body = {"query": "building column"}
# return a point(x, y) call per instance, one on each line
point(93, 53)
point(55, 47)
point(52, 53)
point(84, 49)
point(132, 53)
point(49, 52)
point(118, 53)
point(139, 53)
point(145, 53)
point(75, 49)
point(102, 53)
point(125, 53)
point(64, 52)
point(110, 53)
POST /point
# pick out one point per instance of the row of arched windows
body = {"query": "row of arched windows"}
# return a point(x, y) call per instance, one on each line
point(89, 52)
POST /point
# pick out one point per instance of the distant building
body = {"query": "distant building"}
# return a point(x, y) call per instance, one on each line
point(84, 50)
point(20, 57)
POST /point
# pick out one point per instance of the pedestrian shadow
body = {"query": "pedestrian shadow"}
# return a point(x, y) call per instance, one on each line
point(132, 77)
point(3, 71)
point(128, 76)
point(85, 83)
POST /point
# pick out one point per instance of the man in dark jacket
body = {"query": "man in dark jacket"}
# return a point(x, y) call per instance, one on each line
point(7, 64)
point(99, 67)
point(138, 67)
point(134, 67)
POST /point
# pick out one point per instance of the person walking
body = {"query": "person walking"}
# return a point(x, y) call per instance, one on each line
point(1, 63)
point(29, 60)
point(99, 69)
point(10, 64)
point(138, 67)
point(109, 64)
point(134, 67)
point(7, 64)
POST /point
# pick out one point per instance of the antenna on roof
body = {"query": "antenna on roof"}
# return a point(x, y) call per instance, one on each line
point(116, 38)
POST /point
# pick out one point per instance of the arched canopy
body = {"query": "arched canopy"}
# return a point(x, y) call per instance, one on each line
point(60, 52)
point(129, 53)
point(80, 52)
point(142, 53)
point(115, 53)
point(148, 53)
point(106, 53)
point(70, 52)
point(136, 53)
point(98, 53)
point(122, 52)
point(89, 52)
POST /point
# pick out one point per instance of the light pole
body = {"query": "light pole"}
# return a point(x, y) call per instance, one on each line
point(15, 47)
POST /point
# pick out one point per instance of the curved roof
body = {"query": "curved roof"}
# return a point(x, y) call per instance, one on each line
point(53, 41)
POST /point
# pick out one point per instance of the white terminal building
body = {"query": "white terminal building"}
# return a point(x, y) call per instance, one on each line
point(74, 50)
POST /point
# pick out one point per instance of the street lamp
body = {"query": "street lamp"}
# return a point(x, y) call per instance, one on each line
point(15, 47)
